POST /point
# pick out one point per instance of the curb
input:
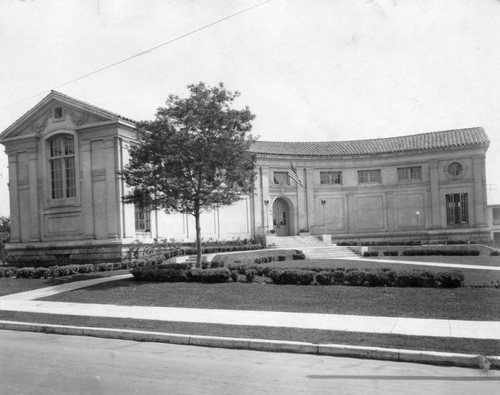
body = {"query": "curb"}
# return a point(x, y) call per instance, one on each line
point(339, 350)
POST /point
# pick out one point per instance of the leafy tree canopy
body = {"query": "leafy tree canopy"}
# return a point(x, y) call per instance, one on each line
point(194, 155)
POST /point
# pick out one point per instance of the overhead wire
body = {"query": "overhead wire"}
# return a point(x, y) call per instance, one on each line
point(141, 53)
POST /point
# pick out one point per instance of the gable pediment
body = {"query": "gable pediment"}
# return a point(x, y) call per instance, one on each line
point(58, 111)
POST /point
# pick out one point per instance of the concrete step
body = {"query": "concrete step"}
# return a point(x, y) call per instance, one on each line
point(333, 252)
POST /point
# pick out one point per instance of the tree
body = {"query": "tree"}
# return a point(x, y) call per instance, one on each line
point(4, 235)
point(194, 156)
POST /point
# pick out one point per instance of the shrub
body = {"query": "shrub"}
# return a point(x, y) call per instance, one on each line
point(355, 277)
point(391, 253)
point(298, 256)
point(324, 277)
point(451, 278)
point(495, 253)
point(176, 266)
point(370, 253)
point(208, 275)
point(292, 276)
point(281, 258)
point(234, 275)
point(250, 275)
point(338, 276)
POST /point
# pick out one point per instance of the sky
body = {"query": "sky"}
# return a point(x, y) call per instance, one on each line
point(317, 70)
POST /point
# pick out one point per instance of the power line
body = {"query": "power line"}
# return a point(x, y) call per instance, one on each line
point(141, 53)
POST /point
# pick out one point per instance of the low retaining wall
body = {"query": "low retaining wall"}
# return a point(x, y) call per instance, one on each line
point(42, 255)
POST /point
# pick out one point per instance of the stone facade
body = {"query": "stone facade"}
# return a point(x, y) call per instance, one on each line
point(65, 185)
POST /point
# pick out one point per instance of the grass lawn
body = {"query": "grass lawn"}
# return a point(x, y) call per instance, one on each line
point(467, 303)
point(482, 260)
point(15, 285)
point(472, 346)
point(459, 303)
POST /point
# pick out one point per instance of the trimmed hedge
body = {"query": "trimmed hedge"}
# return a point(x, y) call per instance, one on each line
point(170, 274)
point(428, 252)
point(370, 253)
point(391, 253)
point(292, 276)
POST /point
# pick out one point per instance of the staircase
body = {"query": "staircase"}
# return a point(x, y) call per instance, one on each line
point(312, 247)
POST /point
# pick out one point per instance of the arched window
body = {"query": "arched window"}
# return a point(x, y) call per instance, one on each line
point(62, 166)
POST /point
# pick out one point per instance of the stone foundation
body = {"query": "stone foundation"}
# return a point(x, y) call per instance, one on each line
point(50, 254)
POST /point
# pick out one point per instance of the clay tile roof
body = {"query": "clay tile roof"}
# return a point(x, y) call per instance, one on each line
point(418, 142)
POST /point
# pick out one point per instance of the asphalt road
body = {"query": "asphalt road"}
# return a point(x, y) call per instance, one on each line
point(33, 363)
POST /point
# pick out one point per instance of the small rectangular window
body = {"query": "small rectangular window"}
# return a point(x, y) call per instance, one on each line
point(330, 177)
point(281, 178)
point(410, 173)
point(58, 112)
point(369, 176)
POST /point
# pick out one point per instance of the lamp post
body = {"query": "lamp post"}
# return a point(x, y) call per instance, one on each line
point(323, 202)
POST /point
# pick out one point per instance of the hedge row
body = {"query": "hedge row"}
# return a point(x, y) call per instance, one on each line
point(367, 277)
point(162, 274)
point(380, 243)
point(370, 277)
point(68, 270)
point(458, 252)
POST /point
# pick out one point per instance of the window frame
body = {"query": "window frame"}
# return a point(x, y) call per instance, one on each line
point(413, 173)
point(62, 163)
point(331, 176)
point(457, 208)
point(142, 225)
point(370, 179)
point(286, 181)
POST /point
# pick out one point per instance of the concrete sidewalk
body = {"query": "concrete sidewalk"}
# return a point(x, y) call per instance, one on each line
point(25, 302)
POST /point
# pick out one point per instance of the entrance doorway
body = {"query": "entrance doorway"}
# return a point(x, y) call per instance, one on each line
point(281, 217)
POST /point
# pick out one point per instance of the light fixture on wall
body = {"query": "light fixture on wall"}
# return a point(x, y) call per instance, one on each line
point(417, 214)
point(266, 202)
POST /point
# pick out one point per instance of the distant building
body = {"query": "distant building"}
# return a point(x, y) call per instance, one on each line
point(65, 183)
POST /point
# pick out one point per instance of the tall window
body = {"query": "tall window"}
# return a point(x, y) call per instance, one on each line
point(410, 173)
point(62, 166)
point(142, 219)
point(281, 178)
point(457, 211)
point(330, 177)
point(369, 176)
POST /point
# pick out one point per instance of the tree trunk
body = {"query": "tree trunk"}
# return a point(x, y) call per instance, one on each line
point(198, 237)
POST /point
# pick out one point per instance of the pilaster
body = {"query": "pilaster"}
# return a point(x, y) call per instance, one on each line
point(33, 195)
point(111, 208)
point(434, 181)
point(86, 190)
point(15, 230)
point(479, 174)
point(309, 197)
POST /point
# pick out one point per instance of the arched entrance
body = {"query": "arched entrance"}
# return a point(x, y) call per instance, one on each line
point(281, 217)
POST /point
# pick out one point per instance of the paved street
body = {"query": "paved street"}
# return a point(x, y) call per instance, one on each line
point(33, 363)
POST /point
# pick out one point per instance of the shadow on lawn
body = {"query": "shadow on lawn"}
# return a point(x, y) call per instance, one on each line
point(110, 285)
point(81, 277)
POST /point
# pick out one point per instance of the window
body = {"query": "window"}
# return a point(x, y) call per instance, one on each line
point(62, 167)
point(142, 219)
point(330, 177)
point(496, 216)
point(457, 208)
point(455, 169)
point(368, 176)
point(409, 173)
point(281, 178)
point(58, 112)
